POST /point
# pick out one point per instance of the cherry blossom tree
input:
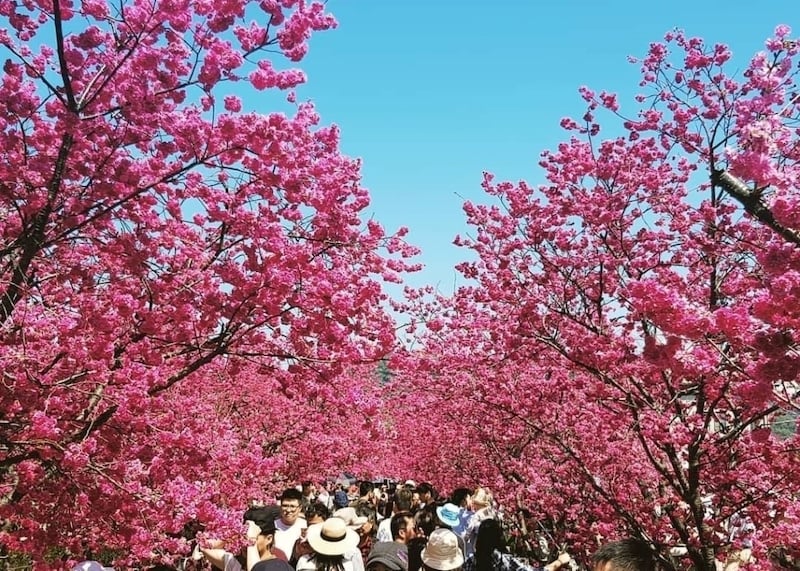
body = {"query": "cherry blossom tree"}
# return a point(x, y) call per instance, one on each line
point(628, 333)
point(181, 280)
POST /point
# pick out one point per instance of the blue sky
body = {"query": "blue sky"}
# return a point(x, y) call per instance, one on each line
point(431, 93)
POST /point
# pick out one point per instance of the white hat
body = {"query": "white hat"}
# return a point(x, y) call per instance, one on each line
point(442, 551)
point(350, 517)
point(90, 566)
point(332, 537)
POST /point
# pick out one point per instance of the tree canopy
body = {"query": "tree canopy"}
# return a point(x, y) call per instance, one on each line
point(192, 312)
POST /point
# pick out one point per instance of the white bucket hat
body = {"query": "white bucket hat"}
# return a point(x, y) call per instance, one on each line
point(332, 537)
point(442, 551)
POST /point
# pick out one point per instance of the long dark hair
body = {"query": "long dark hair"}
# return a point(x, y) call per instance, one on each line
point(415, 547)
point(490, 537)
point(327, 562)
point(426, 520)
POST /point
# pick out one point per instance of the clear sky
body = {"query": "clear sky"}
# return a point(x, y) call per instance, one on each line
point(430, 93)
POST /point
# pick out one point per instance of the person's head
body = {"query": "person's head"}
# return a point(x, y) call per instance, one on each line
point(366, 489)
point(290, 505)
point(442, 552)
point(261, 513)
point(625, 555)
point(309, 489)
point(460, 497)
point(490, 537)
point(426, 522)
point(402, 500)
point(317, 512)
point(366, 529)
point(403, 527)
point(481, 498)
point(90, 566)
point(387, 556)
point(266, 536)
point(415, 501)
point(426, 493)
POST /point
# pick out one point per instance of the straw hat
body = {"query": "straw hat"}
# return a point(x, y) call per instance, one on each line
point(332, 537)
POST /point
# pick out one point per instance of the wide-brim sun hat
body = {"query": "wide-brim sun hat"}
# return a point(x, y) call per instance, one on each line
point(442, 551)
point(332, 537)
point(448, 513)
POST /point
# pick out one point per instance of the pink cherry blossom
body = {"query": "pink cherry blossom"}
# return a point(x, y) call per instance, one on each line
point(173, 269)
point(628, 332)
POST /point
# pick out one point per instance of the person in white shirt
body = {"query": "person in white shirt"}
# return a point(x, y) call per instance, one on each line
point(290, 526)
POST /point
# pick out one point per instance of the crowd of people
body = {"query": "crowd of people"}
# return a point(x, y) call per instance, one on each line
point(390, 527)
point(372, 526)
